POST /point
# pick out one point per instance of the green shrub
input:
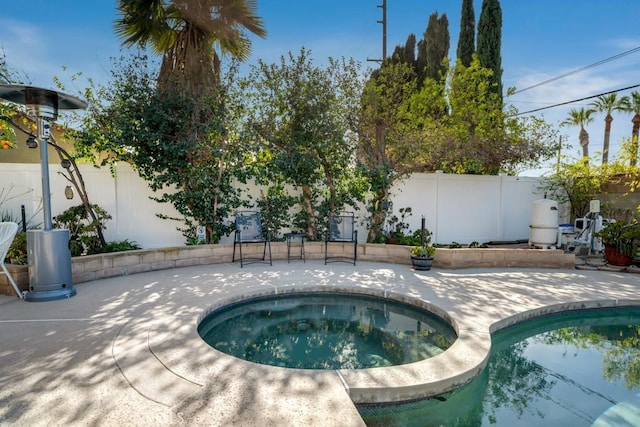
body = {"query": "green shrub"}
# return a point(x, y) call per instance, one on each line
point(622, 236)
point(117, 246)
point(83, 237)
point(424, 251)
point(18, 251)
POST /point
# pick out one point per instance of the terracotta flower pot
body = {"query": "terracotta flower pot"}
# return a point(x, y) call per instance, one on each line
point(615, 257)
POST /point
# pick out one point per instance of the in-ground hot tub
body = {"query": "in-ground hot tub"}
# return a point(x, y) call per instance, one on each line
point(327, 330)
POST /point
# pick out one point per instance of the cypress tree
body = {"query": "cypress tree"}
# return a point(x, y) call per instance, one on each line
point(410, 50)
point(433, 49)
point(421, 62)
point(467, 40)
point(405, 54)
point(490, 41)
point(397, 55)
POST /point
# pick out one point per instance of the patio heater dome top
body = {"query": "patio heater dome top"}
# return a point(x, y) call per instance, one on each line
point(40, 102)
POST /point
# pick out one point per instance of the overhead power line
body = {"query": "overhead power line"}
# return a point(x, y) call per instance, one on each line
point(578, 100)
point(595, 64)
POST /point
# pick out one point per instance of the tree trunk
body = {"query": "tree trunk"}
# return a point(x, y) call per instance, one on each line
point(378, 215)
point(188, 66)
point(328, 175)
point(74, 176)
point(584, 142)
point(607, 136)
point(634, 139)
point(307, 203)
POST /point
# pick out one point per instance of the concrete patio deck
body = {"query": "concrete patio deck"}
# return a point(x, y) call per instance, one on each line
point(125, 351)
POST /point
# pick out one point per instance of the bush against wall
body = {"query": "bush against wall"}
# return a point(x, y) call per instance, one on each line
point(577, 182)
point(82, 229)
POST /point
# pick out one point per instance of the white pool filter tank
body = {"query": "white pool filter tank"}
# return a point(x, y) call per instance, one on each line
point(543, 231)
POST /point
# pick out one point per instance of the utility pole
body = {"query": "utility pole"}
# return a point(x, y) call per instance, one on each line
point(382, 6)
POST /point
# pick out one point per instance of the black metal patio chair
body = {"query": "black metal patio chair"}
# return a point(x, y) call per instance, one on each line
point(249, 231)
point(341, 229)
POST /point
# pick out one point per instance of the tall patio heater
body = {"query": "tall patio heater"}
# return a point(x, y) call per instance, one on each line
point(48, 253)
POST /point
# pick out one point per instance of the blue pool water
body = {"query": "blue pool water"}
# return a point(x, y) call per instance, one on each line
point(575, 369)
point(326, 331)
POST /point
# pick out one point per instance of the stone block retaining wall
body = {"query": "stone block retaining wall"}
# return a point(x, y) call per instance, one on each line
point(92, 267)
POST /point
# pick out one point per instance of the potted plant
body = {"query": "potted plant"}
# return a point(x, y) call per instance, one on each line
point(422, 255)
point(620, 242)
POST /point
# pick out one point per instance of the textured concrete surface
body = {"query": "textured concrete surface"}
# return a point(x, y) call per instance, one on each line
point(125, 351)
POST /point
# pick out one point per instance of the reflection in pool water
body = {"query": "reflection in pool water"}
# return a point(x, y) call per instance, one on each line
point(574, 369)
point(326, 331)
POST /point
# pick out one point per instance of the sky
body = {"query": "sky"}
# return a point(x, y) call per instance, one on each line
point(541, 40)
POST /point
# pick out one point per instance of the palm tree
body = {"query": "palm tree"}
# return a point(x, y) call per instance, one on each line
point(192, 35)
point(581, 117)
point(608, 104)
point(632, 104)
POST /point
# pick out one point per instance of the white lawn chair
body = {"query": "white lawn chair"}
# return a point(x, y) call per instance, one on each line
point(8, 231)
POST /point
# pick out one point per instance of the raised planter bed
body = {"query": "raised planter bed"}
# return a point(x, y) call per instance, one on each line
point(93, 267)
point(503, 257)
point(20, 274)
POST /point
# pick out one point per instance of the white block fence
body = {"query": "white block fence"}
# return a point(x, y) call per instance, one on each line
point(461, 208)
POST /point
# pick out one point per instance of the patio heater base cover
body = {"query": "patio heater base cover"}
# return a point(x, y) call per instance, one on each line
point(49, 262)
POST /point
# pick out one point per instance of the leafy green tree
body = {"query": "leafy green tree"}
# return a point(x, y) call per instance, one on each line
point(391, 140)
point(129, 120)
point(177, 128)
point(192, 36)
point(608, 104)
point(8, 110)
point(304, 119)
point(401, 132)
point(490, 42)
point(581, 117)
point(486, 139)
point(467, 39)
point(576, 183)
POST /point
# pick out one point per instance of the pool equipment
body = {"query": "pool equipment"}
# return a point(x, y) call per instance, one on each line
point(543, 231)
point(586, 228)
point(566, 234)
point(48, 253)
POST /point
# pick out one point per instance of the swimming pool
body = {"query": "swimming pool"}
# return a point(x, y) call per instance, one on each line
point(579, 368)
